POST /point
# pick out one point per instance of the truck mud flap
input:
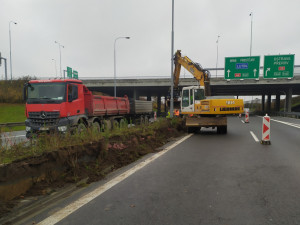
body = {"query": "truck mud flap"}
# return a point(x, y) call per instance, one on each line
point(206, 122)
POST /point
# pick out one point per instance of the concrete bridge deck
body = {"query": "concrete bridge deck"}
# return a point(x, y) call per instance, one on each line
point(219, 86)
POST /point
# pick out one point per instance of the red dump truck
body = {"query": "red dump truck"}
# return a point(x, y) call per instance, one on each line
point(67, 105)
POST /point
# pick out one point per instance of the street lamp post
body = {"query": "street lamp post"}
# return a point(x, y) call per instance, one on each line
point(115, 66)
point(59, 46)
point(251, 14)
point(217, 55)
point(10, 48)
point(55, 67)
point(172, 64)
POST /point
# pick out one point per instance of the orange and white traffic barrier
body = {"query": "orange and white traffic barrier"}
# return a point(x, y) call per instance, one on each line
point(266, 130)
point(247, 116)
point(155, 116)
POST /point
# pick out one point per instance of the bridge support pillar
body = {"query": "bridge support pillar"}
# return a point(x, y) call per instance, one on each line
point(135, 94)
point(277, 105)
point(288, 100)
point(269, 104)
point(159, 105)
point(166, 105)
point(263, 103)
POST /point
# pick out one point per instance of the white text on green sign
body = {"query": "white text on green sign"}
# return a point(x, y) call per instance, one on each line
point(242, 67)
point(279, 66)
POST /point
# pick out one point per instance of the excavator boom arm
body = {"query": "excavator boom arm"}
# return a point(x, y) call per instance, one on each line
point(195, 69)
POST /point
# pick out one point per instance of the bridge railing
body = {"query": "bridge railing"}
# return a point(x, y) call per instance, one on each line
point(288, 114)
point(215, 73)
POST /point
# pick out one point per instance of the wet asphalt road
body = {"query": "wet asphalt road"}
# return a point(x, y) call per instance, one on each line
point(208, 179)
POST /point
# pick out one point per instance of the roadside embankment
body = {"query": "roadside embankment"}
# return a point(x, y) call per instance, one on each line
point(47, 169)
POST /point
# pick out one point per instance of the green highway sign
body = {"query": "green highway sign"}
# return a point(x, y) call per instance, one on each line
point(241, 67)
point(279, 66)
point(75, 74)
point(69, 72)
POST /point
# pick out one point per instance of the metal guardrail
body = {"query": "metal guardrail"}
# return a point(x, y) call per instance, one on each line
point(141, 77)
point(12, 124)
point(288, 114)
point(295, 115)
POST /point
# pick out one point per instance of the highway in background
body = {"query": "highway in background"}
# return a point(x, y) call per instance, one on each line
point(206, 179)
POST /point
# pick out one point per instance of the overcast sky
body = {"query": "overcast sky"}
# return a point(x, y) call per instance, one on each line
point(88, 29)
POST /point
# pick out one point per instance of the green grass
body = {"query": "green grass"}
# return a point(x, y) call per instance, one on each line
point(48, 143)
point(12, 113)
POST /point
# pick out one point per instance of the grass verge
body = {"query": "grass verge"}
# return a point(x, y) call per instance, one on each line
point(48, 143)
point(10, 113)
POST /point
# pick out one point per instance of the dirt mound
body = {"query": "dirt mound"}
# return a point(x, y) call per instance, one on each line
point(41, 175)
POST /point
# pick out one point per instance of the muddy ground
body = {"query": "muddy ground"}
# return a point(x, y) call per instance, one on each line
point(53, 170)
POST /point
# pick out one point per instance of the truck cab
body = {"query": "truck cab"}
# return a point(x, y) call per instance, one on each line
point(53, 105)
point(191, 96)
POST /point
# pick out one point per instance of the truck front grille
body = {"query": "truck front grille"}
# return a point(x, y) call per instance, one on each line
point(44, 118)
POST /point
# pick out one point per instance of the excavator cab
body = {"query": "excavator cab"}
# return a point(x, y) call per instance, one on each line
point(190, 96)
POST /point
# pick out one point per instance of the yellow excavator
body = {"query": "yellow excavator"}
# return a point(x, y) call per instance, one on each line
point(198, 108)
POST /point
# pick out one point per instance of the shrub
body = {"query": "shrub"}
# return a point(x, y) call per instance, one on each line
point(12, 91)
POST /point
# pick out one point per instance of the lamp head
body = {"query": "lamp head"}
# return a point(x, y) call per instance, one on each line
point(127, 37)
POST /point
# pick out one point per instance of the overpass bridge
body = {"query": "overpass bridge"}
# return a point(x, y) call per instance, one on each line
point(159, 87)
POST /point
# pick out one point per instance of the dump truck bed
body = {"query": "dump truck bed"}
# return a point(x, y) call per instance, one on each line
point(105, 105)
point(140, 107)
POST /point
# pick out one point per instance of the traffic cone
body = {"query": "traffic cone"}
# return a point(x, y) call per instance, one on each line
point(266, 130)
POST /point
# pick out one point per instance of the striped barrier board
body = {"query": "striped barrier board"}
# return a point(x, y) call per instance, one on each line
point(266, 130)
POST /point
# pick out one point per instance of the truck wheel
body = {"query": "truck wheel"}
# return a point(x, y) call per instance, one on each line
point(81, 128)
point(225, 129)
point(123, 123)
point(96, 127)
point(115, 124)
point(106, 125)
point(192, 130)
point(222, 129)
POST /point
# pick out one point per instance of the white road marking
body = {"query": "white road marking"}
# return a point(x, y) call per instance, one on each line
point(254, 136)
point(58, 216)
point(243, 121)
point(287, 123)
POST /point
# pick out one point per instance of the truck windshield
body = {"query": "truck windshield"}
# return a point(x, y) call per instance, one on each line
point(46, 93)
